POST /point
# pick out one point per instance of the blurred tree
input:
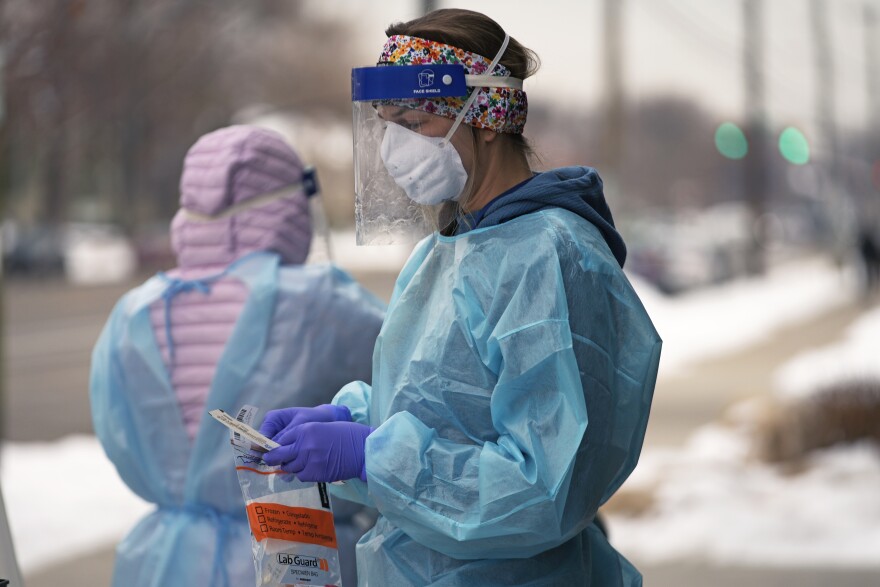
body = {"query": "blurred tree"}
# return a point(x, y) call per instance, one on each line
point(613, 99)
point(872, 86)
point(105, 96)
point(757, 172)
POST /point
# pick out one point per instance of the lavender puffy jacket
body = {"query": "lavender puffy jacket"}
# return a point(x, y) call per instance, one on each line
point(228, 167)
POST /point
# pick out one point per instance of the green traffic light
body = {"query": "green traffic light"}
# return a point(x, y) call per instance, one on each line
point(794, 146)
point(731, 141)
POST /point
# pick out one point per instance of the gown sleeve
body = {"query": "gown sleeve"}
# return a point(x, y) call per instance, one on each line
point(356, 397)
point(112, 415)
point(501, 499)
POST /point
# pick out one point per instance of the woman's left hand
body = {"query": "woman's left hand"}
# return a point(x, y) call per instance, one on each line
point(277, 422)
point(323, 451)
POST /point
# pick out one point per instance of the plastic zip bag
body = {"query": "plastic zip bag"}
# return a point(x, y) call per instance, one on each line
point(293, 537)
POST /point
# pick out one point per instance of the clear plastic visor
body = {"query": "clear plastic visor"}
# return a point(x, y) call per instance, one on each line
point(408, 168)
point(385, 136)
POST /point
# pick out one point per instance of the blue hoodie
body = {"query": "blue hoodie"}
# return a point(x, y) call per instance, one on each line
point(576, 189)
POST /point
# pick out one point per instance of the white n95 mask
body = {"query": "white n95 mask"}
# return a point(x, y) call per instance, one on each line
point(428, 169)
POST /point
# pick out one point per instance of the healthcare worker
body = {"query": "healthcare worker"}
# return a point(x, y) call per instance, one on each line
point(240, 321)
point(514, 372)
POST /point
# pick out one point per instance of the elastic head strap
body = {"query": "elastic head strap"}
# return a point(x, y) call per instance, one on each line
point(473, 94)
point(308, 183)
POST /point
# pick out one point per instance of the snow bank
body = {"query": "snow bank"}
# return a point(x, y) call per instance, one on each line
point(712, 503)
point(855, 357)
point(714, 321)
point(64, 499)
point(349, 256)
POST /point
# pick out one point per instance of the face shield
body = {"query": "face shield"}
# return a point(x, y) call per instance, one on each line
point(405, 166)
point(409, 156)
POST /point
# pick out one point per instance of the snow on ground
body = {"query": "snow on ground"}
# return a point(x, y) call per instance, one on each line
point(64, 498)
point(713, 503)
point(854, 357)
point(351, 257)
point(714, 321)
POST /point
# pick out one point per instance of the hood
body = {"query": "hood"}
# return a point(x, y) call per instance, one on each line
point(230, 167)
point(576, 189)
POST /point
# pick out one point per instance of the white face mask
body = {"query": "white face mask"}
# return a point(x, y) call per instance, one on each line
point(428, 169)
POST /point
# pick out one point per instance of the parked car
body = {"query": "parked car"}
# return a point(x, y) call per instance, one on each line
point(32, 251)
point(84, 253)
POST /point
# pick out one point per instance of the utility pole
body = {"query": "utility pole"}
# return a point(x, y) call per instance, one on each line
point(429, 6)
point(3, 214)
point(872, 80)
point(8, 565)
point(756, 130)
point(831, 184)
point(613, 126)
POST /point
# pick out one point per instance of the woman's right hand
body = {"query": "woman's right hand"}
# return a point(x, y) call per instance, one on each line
point(278, 422)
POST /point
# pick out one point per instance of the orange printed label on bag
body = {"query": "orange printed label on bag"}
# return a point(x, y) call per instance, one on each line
point(297, 524)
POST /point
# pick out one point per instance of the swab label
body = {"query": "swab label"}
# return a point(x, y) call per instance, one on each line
point(244, 430)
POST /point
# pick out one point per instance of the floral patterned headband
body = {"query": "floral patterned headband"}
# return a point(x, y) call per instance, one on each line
point(502, 109)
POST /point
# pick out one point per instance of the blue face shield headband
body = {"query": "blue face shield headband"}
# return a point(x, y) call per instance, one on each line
point(431, 81)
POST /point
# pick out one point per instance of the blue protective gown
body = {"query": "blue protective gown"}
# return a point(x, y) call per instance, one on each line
point(302, 333)
point(512, 381)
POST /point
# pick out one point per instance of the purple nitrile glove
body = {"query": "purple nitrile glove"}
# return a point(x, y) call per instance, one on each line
point(322, 451)
point(277, 422)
